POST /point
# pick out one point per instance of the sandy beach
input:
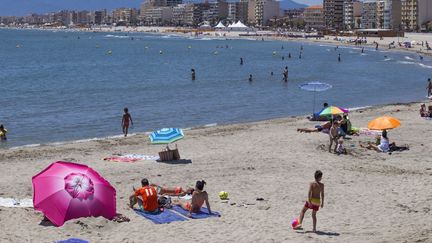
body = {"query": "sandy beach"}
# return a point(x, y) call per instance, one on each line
point(370, 196)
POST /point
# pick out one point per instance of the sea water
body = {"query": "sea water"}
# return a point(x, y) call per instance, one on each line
point(68, 86)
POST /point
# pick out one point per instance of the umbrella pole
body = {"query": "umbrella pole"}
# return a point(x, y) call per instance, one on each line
point(313, 107)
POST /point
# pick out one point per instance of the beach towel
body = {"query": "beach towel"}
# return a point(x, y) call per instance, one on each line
point(366, 131)
point(201, 215)
point(165, 217)
point(131, 158)
point(16, 203)
point(72, 240)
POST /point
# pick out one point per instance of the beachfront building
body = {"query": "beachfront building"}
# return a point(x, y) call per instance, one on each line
point(333, 14)
point(238, 11)
point(213, 12)
point(369, 15)
point(314, 17)
point(261, 11)
point(352, 10)
point(183, 15)
point(125, 16)
point(100, 17)
point(388, 14)
point(415, 14)
point(157, 16)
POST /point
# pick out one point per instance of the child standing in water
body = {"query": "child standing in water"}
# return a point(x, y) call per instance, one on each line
point(3, 132)
point(315, 200)
point(125, 121)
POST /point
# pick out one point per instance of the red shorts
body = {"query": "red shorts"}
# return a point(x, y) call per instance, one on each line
point(311, 206)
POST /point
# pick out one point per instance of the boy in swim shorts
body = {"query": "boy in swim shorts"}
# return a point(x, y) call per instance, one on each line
point(125, 121)
point(315, 200)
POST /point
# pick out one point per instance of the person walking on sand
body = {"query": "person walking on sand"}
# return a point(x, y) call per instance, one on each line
point(429, 87)
point(241, 60)
point(193, 74)
point(362, 50)
point(289, 55)
point(125, 121)
point(339, 58)
point(315, 200)
point(250, 77)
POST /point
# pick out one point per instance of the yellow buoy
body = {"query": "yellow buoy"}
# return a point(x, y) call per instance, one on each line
point(189, 47)
point(215, 53)
point(160, 52)
point(109, 52)
point(18, 46)
point(97, 46)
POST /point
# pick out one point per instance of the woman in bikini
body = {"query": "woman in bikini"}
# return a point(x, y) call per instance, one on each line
point(199, 196)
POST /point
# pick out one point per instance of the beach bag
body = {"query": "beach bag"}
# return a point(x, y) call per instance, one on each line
point(164, 202)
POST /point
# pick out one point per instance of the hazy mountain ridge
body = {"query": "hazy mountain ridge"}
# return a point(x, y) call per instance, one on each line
point(25, 7)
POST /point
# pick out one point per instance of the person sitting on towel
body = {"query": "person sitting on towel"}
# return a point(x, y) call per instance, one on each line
point(199, 196)
point(173, 191)
point(146, 197)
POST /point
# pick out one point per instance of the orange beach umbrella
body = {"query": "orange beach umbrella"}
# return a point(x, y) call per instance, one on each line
point(384, 123)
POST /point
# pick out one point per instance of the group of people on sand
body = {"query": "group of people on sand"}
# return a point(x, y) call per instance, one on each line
point(152, 198)
point(339, 126)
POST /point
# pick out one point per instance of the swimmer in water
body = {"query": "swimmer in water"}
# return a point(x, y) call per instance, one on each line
point(250, 77)
point(193, 74)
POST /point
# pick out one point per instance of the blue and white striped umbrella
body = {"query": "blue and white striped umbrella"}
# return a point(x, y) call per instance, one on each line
point(166, 135)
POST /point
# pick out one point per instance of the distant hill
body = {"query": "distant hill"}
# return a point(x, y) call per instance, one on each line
point(25, 7)
point(290, 4)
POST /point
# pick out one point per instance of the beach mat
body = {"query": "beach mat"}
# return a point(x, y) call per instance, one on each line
point(16, 203)
point(165, 217)
point(130, 158)
point(72, 240)
point(201, 215)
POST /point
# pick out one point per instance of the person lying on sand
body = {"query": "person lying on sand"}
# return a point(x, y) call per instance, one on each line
point(318, 128)
point(198, 198)
point(146, 197)
point(172, 191)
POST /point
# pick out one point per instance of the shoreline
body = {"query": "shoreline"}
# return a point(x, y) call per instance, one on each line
point(218, 34)
point(145, 134)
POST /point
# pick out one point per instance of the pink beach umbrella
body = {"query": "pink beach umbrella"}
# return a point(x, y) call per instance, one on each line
point(66, 190)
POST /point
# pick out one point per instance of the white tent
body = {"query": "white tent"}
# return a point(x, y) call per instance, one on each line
point(205, 25)
point(238, 26)
point(220, 25)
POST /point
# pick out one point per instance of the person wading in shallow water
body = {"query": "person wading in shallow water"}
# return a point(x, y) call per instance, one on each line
point(193, 74)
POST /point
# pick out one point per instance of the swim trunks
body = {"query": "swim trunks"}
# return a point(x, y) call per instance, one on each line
point(314, 204)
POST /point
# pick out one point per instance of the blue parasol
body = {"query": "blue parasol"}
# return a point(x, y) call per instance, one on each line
point(315, 87)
